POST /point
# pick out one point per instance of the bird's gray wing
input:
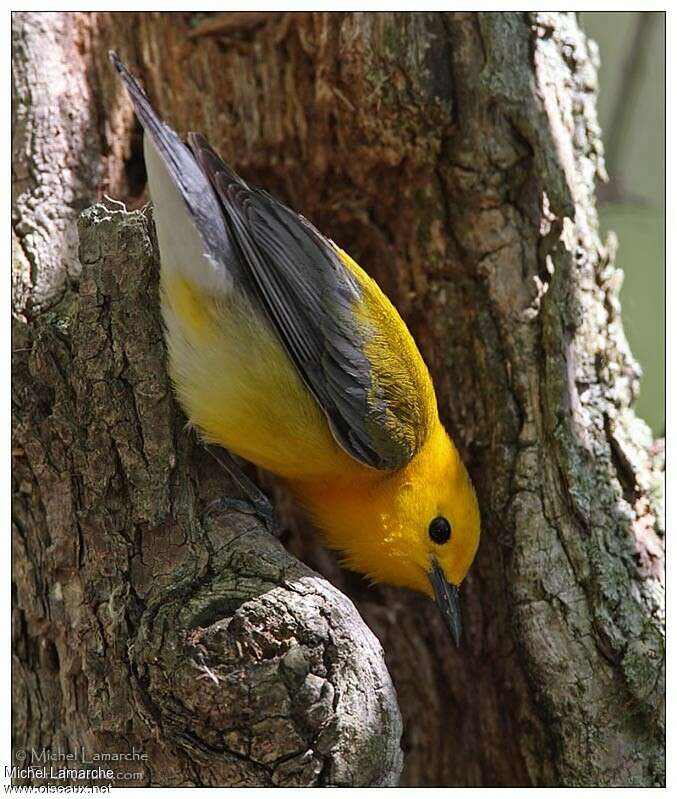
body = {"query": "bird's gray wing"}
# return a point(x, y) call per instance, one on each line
point(309, 295)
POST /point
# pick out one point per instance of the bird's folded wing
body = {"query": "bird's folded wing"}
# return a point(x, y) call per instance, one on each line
point(312, 299)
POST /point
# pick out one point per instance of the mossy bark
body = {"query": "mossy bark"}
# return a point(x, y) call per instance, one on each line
point(454, 156)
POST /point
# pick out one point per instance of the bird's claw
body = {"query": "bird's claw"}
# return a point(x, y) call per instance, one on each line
point(263, 510)
point(256, 503)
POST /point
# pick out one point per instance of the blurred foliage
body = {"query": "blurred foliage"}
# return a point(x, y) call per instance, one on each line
point(632, 115)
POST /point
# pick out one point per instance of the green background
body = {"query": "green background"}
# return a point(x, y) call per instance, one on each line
point(638, 217)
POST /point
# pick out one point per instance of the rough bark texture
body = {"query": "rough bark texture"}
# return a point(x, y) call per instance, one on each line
point(454, 156)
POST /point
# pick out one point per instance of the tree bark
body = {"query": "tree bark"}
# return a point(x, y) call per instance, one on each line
point(454, 156)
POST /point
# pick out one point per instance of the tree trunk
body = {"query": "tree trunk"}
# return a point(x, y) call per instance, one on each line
point(454, 156)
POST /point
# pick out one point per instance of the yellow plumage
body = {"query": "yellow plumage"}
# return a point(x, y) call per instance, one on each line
point(240, 390)
point(228, 368)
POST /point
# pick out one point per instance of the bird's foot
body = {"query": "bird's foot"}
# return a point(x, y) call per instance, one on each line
point(263, 511)
point(256, 502)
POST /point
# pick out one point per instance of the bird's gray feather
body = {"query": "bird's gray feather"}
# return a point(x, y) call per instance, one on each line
point(309, 296)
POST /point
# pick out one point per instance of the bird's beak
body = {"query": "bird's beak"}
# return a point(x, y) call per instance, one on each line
point(447, 598)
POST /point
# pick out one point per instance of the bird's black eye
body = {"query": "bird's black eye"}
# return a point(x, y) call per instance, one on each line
point(439, 530)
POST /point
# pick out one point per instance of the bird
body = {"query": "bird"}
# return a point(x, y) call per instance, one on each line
point(284, 352)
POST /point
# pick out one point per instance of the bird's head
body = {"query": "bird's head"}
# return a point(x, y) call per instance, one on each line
point(435, 528)
point(418, 528)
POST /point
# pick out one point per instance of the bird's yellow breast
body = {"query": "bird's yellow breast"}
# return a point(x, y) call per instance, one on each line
point(239, 388)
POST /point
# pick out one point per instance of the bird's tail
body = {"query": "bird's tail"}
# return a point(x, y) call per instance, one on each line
point(169, 146)
point(185, 172)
